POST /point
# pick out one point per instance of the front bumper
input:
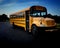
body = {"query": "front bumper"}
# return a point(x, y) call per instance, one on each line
point(47, 29)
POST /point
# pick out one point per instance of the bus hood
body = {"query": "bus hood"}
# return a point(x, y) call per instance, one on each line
point(42, 18)
point(44, 21)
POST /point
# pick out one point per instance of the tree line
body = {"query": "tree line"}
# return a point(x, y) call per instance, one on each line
point(3, 17)
point(56, 17)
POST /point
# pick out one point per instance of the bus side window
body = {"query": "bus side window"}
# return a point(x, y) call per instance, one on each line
point(10, 16)
point(14, 16)
point(21, 14)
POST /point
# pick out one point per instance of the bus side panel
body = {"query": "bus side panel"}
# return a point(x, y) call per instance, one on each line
point(11, 21)
point(20, 22)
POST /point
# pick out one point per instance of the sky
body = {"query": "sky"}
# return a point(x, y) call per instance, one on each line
point(11, 6)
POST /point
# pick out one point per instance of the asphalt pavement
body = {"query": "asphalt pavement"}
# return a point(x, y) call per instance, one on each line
point(17, 36)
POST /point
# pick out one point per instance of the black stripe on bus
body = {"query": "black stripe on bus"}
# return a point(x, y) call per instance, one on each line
point(19, 23)
point(17, 20)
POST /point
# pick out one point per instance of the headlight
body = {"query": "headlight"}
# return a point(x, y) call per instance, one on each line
point(41, 25)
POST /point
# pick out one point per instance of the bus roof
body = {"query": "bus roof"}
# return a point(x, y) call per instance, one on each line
point(21, 11)
point(26, 9)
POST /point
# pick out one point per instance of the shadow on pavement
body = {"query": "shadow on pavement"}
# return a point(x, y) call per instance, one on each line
point(43, 40)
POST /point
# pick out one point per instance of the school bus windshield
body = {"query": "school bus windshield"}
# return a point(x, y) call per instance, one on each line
point(38, 13)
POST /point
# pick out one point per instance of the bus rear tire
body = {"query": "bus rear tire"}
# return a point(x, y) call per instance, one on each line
point(13, 25)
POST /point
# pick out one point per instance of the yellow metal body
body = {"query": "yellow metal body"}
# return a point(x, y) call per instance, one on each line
point(33, 20)
point(21, 21)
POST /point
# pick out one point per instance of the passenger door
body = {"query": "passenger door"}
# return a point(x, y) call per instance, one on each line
point(27, 21)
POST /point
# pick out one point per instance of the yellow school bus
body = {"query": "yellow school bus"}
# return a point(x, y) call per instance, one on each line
point(32, 18)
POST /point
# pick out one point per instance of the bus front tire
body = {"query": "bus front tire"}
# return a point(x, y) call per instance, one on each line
point(34, 31)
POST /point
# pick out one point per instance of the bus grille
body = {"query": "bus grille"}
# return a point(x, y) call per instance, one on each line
point(50, 23)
